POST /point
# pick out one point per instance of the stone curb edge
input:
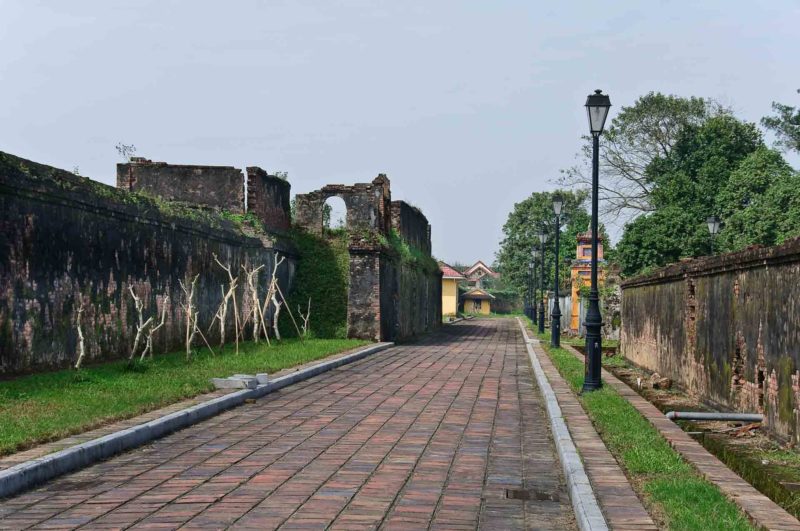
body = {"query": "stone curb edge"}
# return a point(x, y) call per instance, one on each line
point(588, 514)
point(20, 477)
point(759, 509)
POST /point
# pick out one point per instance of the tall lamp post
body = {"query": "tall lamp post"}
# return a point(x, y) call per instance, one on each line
point(534, 256)
point(542, 240)
point(713, 228)
point(529, 292)
point(555, 326)
point(597, 106)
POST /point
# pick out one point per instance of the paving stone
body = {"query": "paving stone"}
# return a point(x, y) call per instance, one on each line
point(428, 434)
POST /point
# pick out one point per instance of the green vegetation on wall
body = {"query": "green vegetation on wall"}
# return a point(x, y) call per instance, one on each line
point(323, 272)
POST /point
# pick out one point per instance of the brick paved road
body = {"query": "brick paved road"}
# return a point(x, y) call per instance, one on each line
point(423, 435)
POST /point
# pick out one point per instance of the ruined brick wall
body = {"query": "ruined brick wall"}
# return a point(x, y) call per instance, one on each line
point(368, 206)
point(388, 299)
point(65, 238)
point(411, 300)
point(219, 187)
point(268, 199)
point(725, 328)
point(412, 225)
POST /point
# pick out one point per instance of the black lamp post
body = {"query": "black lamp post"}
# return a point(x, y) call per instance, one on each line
point(597, 106)
point(555, 326)
point(542, 240)
point(534, 257)
point(713, 228)
point(528, 292)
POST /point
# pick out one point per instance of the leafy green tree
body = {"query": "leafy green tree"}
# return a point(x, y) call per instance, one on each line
point(521, 231)
point(785, 123)
point(689, 184)
point(760, 203)
point(637, 135)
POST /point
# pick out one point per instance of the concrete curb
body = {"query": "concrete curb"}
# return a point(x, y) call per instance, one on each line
point(584, 503)
point(25, 475)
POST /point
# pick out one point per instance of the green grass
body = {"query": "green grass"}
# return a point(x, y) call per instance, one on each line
point(48, 406)
point(672, 489)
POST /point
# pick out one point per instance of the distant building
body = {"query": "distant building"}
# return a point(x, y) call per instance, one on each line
point(477, 300)
point(477, 273)
point(581, 274)
point(450, 280)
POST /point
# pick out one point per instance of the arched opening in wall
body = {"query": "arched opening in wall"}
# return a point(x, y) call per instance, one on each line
point(334, 214)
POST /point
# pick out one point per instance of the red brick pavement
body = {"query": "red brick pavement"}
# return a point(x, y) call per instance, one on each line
point(426, 435)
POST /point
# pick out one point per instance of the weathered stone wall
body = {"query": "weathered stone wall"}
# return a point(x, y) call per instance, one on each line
point(64, 239)
point(219, 187)
point(412, 225)
point(725, 328)
point(388, 299)
point(411, 300)
point(368, 206)
point(268, 199)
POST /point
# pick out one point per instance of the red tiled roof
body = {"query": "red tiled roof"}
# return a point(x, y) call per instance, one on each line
point(481, 265)
point(449, 272)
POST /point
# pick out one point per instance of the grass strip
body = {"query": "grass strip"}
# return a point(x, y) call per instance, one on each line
point(48, 406)
point(674, 493)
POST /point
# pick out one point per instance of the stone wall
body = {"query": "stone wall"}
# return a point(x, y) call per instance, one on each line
point(268, 199)
point(412, 225)
point(389, 298)
point(368, 206)
point(219, 187)
point(725, 328)
point(66, 239)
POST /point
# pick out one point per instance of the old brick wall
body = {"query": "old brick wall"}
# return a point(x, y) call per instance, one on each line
point(268, 199)
point(65, 238)
point(412, 225)
point(220, 187)
point(368, 206)
point(411, 299)
point(388, 299)
point(725, 328)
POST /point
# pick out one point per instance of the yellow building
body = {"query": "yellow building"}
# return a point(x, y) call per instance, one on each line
point(581, 273)
point(477, 301)
point(450, 280)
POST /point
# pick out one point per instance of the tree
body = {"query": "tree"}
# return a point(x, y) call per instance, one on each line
point(637, 135)
point(521, 230)
point(785, 124)
point(126, 151)
point(698, 177)
point(760, 204)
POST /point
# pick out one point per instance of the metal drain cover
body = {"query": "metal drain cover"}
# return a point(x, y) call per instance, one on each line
point(532, 494)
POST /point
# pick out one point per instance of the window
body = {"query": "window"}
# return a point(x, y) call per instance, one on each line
point(477, 304)
point(586, 251)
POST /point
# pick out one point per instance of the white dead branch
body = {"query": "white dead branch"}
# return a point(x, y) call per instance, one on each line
point(143, 324)
point(254, 315)
point(305, 317)
point(233, 283)
point(148, 349)
point(191, 318)
point(81, 346)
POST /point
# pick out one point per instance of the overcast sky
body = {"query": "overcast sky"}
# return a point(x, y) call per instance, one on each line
point(467, 106)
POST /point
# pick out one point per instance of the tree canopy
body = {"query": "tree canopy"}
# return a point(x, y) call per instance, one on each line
point(521, 231)
point(785, 123)
point(638, 135)
point(720, 167)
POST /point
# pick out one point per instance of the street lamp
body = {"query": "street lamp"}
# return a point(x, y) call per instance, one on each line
point(597, 106)
point(713, 228)
point(555, 326)
point(535, 256)
point(528, 289)
point(542, 240)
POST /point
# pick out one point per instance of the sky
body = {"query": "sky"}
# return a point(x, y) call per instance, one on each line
point(468, 107)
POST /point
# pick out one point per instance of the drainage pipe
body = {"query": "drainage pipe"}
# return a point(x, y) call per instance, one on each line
point(697, 415)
